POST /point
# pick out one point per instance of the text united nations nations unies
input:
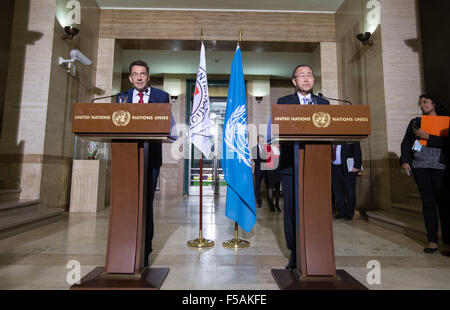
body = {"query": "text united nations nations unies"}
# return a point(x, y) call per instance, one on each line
point(211, 301)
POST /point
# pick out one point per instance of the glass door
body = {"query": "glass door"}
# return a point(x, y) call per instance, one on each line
point(213, 177)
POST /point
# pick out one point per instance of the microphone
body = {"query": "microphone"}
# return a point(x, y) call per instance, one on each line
point(103, 97)
point(313, 102)
point(321, 95)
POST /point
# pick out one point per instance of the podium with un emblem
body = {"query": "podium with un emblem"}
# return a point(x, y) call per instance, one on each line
point(126, 126)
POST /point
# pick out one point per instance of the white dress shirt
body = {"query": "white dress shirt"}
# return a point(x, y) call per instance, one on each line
point(301, 98)
point(146, 97)
point(338, 156)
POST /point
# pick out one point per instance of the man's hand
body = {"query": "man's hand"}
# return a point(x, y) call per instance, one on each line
point(355, 170)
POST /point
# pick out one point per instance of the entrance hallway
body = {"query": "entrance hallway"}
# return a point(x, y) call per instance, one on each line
point(37, 259)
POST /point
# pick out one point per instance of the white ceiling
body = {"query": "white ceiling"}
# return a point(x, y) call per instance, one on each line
point(324, 6)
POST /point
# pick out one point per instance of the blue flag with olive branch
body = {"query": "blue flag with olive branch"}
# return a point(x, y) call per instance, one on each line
point(236, 158)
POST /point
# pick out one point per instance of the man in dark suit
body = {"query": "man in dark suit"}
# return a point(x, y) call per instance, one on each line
point(303, 80)
point(143, 93)
point(259, 156)
point(343, 177)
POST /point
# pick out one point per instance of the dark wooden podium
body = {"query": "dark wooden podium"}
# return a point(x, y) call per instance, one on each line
point(127, 127)
point(312, 129)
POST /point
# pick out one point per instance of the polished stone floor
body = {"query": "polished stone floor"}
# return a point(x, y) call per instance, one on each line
point(38, 259)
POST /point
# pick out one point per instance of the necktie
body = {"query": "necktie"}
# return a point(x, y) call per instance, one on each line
point(141, 97)
point(333, 153)
point(305, 100)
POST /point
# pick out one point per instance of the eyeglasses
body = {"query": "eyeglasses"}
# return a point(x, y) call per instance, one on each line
point(303, 76)
point(142, 74)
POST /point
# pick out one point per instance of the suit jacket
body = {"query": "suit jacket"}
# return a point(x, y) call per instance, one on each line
point(407, 154)
point(257, 159)
point(287, 150)
point(156, 96)
point(351, 150)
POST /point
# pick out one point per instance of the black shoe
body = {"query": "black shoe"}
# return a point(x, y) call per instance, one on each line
point(339, 216)
point(278, 208)
point(445, 253)
point(348, 218)
point(272, 209)
point(290, 266)
point(259, 205)
point(430, 250)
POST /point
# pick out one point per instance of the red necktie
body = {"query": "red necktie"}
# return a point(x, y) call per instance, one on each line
point(141, 96)
point(333, 153)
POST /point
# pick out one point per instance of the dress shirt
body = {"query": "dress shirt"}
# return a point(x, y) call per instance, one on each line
point(136, 97)
point(261, 150)
point(338, 156)
point(301, 98)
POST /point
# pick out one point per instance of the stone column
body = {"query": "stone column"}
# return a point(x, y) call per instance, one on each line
point(328, 65)
point(27, 92)
point(403, 82)
point(105, 68)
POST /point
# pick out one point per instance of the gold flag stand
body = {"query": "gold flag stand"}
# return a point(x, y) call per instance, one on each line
point(236, 243)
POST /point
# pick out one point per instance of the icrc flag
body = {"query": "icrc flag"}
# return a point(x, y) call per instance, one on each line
point(236, 159)
point(199, 133)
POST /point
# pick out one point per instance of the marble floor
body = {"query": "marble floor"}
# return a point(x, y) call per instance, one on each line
point(38, 259)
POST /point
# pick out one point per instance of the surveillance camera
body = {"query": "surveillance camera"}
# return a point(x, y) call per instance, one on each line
point(77, 55)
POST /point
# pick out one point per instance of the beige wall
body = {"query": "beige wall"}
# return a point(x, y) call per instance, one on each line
point(65, 90)
point(27, 92)
point(186, 25)
point(37, 144)
point(387, 77)
point(403, 81)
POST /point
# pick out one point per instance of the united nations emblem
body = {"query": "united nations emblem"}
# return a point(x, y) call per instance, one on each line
point(321, 119)
point(236, 137)
point(121, 118)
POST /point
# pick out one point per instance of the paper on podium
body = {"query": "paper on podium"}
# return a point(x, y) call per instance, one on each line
point(435, 125)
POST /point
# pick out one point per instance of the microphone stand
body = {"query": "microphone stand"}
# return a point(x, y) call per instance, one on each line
point(340, 100)
point(103, 97)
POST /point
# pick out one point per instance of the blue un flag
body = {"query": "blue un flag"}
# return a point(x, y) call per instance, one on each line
point(236, 158)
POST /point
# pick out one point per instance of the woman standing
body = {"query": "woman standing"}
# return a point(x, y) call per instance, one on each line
point(273, 176)
point(428, 166)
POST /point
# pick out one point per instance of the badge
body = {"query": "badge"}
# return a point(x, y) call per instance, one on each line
point(417, 146)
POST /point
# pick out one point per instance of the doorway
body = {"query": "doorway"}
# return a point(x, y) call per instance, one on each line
point(213, 177)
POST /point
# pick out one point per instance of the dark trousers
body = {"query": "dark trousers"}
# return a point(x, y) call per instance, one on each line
point(149, 225)
point(259, 176)
point(344, 191)
point(432, 189)
point(289, 210)
point(151, 181)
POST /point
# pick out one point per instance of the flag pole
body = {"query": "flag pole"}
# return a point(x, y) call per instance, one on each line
point(237, 243)
point(200, 242)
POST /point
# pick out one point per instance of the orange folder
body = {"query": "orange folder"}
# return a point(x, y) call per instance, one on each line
point(435, 125)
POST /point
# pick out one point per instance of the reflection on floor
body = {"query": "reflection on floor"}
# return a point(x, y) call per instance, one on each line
point(38, 259)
